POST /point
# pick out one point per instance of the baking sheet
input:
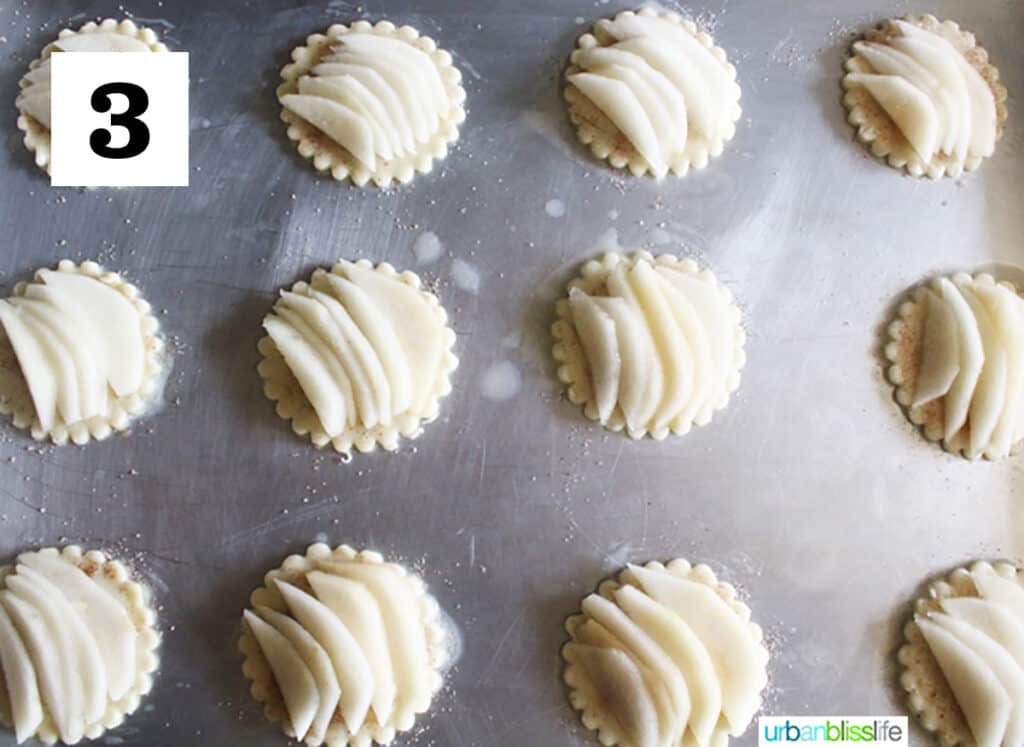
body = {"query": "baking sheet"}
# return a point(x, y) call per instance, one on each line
point(811, 492)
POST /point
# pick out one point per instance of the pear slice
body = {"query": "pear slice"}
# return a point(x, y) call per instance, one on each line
point(992, 620)
point(1002, 591)
point(58, 684)
point(689, 321)
point(596, 332)
point(359, 612)
point(675, 711)
point(102, 613)
point(621, 105)
point(324, 334)
point(679, 642)
point(620, 687)
point(673, 342)
point(378, 332)
point(338, 122)
point(982, 698)
point(653, 388)
point(911, 110)
point(972, 358)
point(414, 321)
point(637, 361)
point(317, 383)
point(940, 354)
point(990, 393)
point(111, 319)
point(20, 680)
point(340, 91)
point(999, 302)
point(293, 678)
point(375, 83)
point(403, 625)
point(101, 41)
point(319, 664)
point(34, 361)
point(738, 659)
point(350, 665)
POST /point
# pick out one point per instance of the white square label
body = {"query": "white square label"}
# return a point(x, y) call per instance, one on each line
point(119, 119)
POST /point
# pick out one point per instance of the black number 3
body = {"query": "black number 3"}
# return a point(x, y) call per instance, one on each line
point(138, 133)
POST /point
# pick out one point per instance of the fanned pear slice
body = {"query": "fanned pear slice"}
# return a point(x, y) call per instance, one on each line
point(359, 612)
point(990, 392)
point(696, 335)
point(620, 687)
point(101, 41)
point(338, 122)
point(739, 660)
point(636, 355)
point(991, 619)
point(982, 698)
point(972, 358)
point(911, 110)
point(680, 643)
point(1002, 311)
point(20, 680)
point(940, 352)
point(33, 359)
point(995, 588)
point(295, 681)
point(350, 665)
point(343, 90)
point(600, 345)
point(317, 661)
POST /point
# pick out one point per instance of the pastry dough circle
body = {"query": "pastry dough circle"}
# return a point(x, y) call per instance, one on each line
point(407, 589)
point(929, 694)
point(878, 130)
point(596, 129)
point(37, 134)
point(680, 645)
point(904, 351)
point(576, 372)
point(282, 386)
point(16, 399)
point(135, 629)
point(327, 155)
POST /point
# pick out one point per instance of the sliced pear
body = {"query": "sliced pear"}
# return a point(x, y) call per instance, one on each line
point(101, 41)
point(359, 612)
point(738, 659)
point(978, 691)
point(675, 712)
point(34, 361)
point(403, 624)
point(596, 332)
point(637, 361)
point(324, 333)
point(350, 665)
point(102, 613)
point(689, 322)
point(319, 664)
point(309, 368)
point(999, 302)
point(654, 373)
point(940, 354)
point(619, 686)
point(972, 358)
point(681, 644)
point(338, 122)
point(414, 321)
point(343, 91)
point(20, 680)
point(911, 110)
point(293, 678)
point(58, 684)
point(992, 620)
point(1002, 591)
point(111, 319)
point(375, 83)
point(379, 333)
point(990, 393)
point(621, 105)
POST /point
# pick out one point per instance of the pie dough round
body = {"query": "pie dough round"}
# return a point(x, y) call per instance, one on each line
point(648, 344)
point(358, 356)
point(651, 92)
point(33, 100)
point(68, 611)
point(923, 95)
point(956, 351)
point(962, 659)
point(372, 102)
point(665, 655)
point(343, 648)
point(80, 355)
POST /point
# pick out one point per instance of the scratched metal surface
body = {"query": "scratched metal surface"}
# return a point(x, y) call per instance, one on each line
point(810, 492)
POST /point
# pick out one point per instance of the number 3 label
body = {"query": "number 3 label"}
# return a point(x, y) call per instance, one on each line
point(138, 133)
point(119, 119)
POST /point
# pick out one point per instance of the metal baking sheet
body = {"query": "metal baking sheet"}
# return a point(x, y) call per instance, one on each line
point(811, 492)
